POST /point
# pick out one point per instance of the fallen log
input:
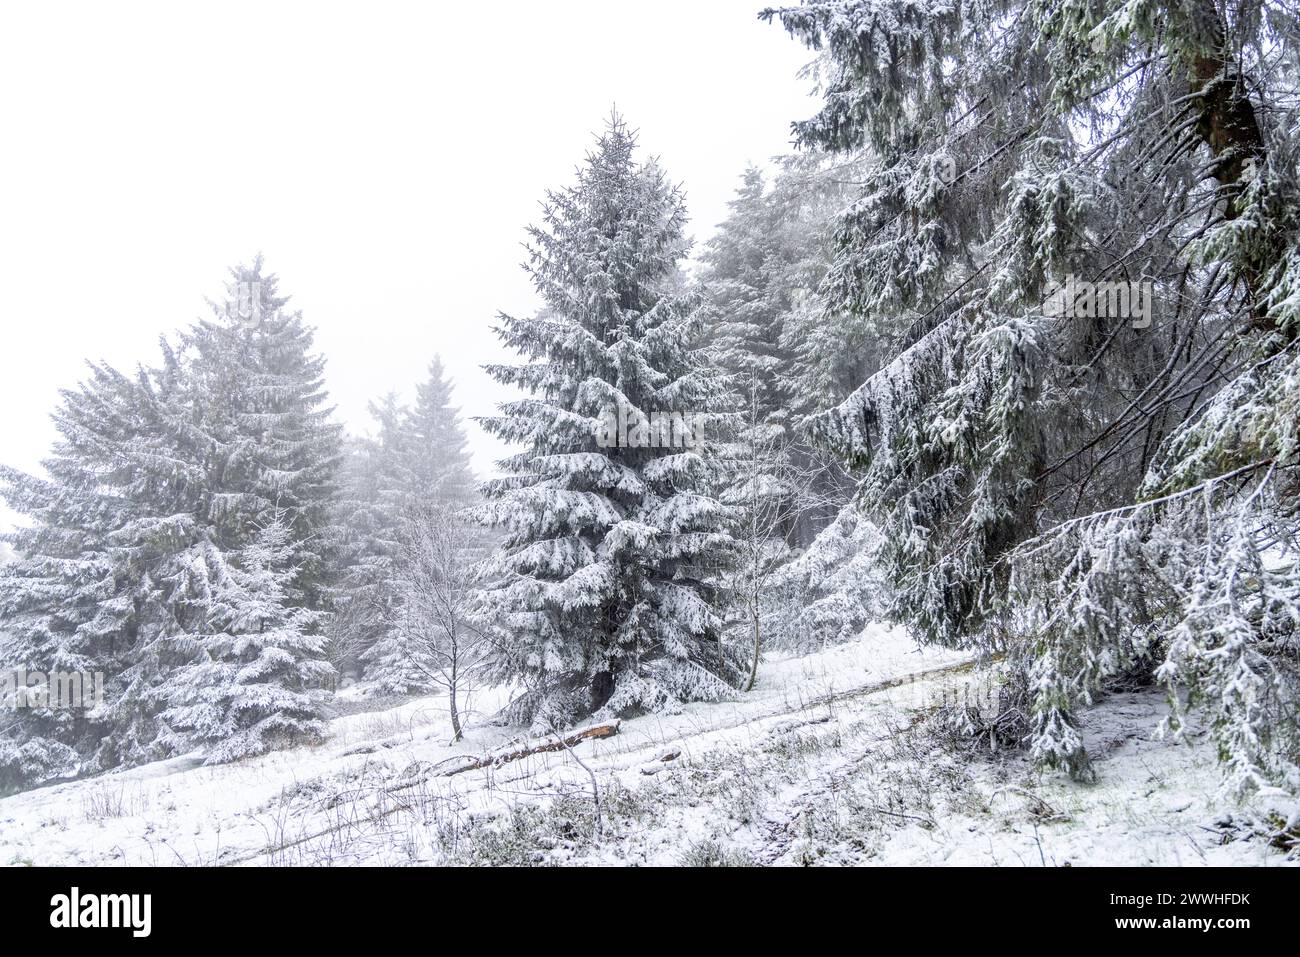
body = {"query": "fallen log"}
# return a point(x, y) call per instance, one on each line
point(552, 743)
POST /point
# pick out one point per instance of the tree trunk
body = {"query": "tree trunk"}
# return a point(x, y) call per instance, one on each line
point(1229, 127)
point(758, 637)
point(454, 711)
point(554, 743)
point(602, 689)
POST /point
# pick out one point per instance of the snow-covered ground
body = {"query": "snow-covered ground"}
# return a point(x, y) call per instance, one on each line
point(830, 760)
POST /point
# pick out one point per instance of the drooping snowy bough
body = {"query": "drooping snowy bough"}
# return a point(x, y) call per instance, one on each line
point(1076, 251)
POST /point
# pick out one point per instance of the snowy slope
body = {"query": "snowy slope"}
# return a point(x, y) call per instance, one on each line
point(827, 761)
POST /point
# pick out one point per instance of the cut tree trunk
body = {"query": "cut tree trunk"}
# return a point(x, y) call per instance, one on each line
point(552, 743)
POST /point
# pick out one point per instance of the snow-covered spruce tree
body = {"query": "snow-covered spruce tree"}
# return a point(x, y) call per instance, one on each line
point(255, 684)
point(262, 571)
point(108, 574)
point(1032, 468)
point(157, 488)
point(761, 274)
point(439, 449)
point(72, 601)
point(600, 588)
point(421, 470)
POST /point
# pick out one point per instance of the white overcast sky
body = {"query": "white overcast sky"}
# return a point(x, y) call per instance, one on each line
point(385, 157)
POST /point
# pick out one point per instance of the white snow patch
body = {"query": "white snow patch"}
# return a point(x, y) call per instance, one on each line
point(816, 765)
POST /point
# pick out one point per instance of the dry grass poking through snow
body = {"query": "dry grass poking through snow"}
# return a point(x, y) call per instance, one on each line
point(835, 759)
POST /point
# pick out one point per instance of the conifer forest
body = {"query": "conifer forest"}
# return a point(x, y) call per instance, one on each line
point(849, 432)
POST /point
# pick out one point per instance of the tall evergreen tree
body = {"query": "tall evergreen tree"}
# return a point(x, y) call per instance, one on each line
point(270, 455)
point(157, 488)
point(1078, 486)
point(416, 465)
point(761, 277)
point(72, 602)
point(610, 538)
point(439, 453)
